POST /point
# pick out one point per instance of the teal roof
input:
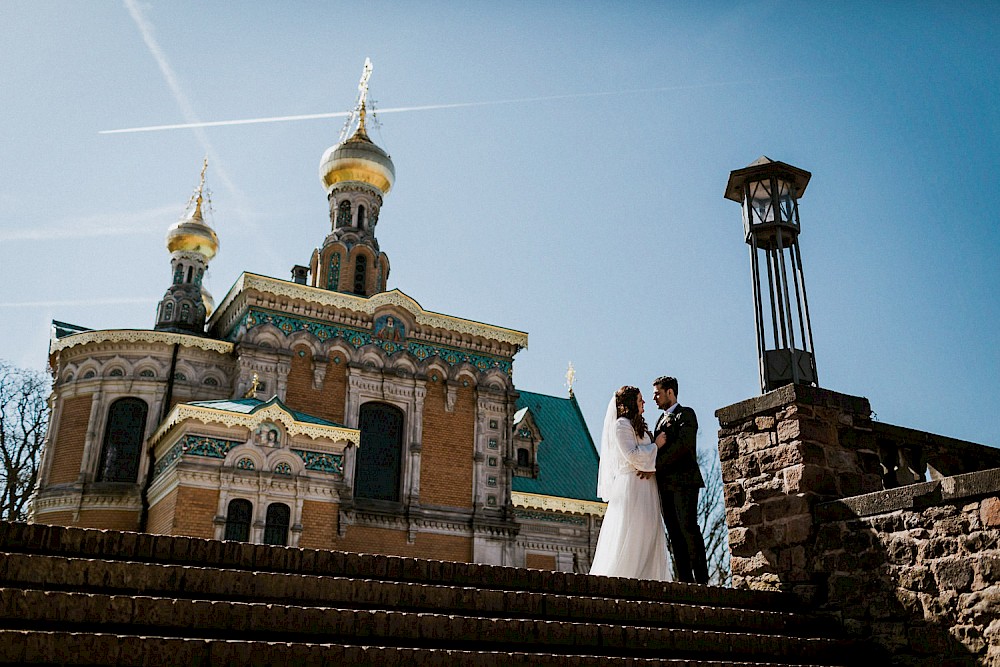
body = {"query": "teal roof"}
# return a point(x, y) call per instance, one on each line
point(567, 458)
point(248, 406)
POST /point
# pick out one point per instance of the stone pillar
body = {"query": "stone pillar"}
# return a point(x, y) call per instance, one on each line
point(781, 453)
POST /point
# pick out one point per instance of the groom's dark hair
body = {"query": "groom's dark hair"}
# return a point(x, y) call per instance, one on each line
point(665, 382)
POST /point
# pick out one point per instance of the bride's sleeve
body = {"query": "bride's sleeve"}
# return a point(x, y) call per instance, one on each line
point(642, 457)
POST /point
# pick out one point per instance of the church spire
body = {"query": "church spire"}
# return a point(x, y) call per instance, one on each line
point(192, 244)
point(356, 175)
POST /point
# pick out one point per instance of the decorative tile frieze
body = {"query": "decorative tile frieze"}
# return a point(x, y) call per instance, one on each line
point(368, 305)
point(558, 504)
point(139, 336)
point(332, 464)
point(195, 445)
point(546, 516)
point(358, 338)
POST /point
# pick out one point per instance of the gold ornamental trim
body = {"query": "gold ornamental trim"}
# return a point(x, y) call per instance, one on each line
point(139, 336)
point(369, 305)
point(274, 413)
point(537, 501)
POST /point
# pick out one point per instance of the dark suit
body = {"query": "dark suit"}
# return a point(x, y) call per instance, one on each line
point(678, 479)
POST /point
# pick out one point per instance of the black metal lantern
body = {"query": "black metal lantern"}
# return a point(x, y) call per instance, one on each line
point(769, 192)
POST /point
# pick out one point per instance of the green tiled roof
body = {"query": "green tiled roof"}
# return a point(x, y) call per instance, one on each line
point(248, 406)
point(567, 458)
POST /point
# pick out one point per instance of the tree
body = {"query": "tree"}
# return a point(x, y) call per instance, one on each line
point(24, 415)
point(712, 520)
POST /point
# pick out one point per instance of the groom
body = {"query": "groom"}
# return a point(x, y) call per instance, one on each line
point(678, 479)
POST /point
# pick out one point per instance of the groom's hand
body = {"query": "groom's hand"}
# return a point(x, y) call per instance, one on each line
point(644, 475)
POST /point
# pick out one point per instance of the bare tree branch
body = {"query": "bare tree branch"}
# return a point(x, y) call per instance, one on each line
point(712, 520)
point(24, 415)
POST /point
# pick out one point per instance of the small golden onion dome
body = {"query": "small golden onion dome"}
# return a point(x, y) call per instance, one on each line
point(357, 159)
point(208, 300)
point(193, 235)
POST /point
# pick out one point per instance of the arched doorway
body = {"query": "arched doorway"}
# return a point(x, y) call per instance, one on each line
point(379, 463)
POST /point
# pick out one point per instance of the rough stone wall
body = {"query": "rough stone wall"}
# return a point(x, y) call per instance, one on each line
point(917, 568)
point(781, 453)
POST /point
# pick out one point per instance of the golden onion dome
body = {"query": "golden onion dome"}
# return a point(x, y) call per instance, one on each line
point(208, 300)
point(357, 159)
point(193, 235)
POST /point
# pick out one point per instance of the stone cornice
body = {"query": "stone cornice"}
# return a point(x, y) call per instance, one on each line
point(273, 412)
point(557, 504)
point(139, 336)
point(366, 305)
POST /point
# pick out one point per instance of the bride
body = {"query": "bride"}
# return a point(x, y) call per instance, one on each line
point(632, 542)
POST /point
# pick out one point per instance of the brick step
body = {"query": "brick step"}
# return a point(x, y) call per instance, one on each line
point(19, 647)
point(195, 619)
point(35, 571)
point(140, 547)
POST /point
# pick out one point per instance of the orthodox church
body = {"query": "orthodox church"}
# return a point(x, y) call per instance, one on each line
point(326, 411)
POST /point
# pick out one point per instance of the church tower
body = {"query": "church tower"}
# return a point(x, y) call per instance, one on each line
point(192, 245)
point(356, 174)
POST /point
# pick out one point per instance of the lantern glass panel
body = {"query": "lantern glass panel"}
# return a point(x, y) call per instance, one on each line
point(761, 202)
point(786, 201)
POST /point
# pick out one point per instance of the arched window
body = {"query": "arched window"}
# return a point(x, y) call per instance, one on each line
point(344, 214)
point(523, 457)
point(168, 311)
point(361, 217)
point(238, 520)
point(379, 456)
point(190, 273)
point(178, 274)
point(276, 526)
point(185, 312)
point(333, 275)
point(360, 273)
point(123, 435)
point(197, 278)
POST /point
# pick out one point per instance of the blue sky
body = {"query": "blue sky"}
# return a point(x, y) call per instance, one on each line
point(595, 223)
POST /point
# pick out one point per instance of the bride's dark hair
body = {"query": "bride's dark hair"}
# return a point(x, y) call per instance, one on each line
point(627, 406)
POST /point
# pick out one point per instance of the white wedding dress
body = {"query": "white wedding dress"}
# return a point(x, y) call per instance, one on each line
point(632, 541)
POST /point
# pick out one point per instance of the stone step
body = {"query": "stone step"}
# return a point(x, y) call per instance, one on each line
point(20, 647)
point(140, 547)
point(242, 621)
point(36, 571)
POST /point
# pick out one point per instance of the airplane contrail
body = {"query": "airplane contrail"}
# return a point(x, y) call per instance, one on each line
point(187, 109)
point(78, 302)
point(433, 107)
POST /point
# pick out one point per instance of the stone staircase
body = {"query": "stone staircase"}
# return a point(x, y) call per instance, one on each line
point(92, 597)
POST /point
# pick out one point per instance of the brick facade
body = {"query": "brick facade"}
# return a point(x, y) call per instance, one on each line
point(195, 512)
point(161, 515)
point(109, 519)
point(326, 402)
point(539, 561)
point(67, 456)
point(448, 447)
point(366, 539)
point(319, 525)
